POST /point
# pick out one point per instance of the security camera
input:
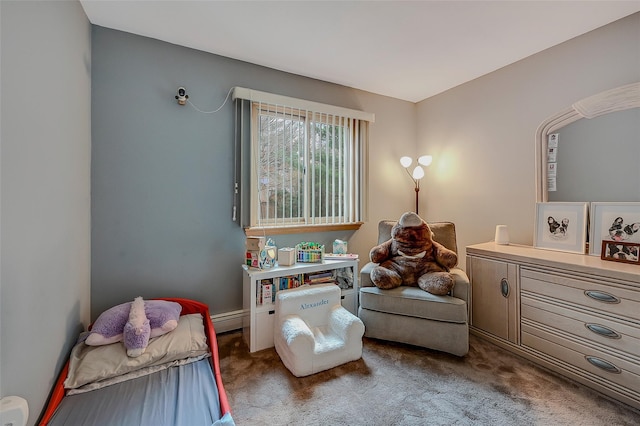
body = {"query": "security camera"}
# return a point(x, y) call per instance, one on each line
point(182, 96)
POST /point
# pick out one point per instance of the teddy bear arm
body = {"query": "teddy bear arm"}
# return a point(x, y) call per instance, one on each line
point(444, 256)
point(381, 252)
point(438, 283)
point(386, 275)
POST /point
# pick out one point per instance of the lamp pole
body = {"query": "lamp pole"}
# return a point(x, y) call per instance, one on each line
point(418, 171)
point(417, 191)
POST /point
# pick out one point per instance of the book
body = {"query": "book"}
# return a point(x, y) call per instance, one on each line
point(340, 256)
point(320, 277)
point(267, 294)
point(266, 285)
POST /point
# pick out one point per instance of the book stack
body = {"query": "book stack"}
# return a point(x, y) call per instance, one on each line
point(340, 256)
point(320, 278)
point(288, 282)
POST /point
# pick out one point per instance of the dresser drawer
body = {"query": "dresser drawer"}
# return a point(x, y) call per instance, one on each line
point(620, 336)
point(615, 300)
point(594, 362)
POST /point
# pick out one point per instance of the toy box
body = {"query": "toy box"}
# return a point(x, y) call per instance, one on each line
point(310, 253)
point(286, 256)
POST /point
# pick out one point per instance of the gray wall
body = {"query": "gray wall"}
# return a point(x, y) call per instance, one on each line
point(162, 173)
point(482, 133)
point(161, 176)
point(45, 213)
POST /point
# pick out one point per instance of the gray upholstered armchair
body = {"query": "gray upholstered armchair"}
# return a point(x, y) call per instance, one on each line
point(410, 314)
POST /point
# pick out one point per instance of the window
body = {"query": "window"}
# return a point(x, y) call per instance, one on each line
point(307, 162)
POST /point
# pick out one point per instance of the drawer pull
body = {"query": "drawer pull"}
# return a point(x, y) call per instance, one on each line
point(272, 312)
point(504, 287)
point(602, 364)
point(603, 331)
point(601, 296)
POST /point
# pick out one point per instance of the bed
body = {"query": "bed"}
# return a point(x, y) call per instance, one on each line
point(181, 387)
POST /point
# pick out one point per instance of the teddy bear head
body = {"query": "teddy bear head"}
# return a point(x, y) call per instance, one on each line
point(411, 234)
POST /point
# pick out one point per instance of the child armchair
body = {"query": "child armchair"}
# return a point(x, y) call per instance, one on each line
point(313, 332)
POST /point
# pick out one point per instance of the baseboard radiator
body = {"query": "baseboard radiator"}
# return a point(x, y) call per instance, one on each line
point(228, 321)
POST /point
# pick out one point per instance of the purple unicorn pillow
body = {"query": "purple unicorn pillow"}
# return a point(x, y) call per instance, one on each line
point(163, 317)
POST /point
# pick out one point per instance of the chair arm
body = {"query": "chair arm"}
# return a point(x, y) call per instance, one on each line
point(297, 335)
point(462, 287)
point(365, 275)
point(345, 324)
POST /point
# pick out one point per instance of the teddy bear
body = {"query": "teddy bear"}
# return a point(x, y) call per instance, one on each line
point(411, 257)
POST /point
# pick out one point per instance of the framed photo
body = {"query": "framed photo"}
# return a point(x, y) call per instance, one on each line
point(619, 251)
point(619, 222)
point(561, 226)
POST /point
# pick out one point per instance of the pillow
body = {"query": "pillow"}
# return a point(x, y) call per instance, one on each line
point(145, 371)
point(162, 314)
point(89, 364)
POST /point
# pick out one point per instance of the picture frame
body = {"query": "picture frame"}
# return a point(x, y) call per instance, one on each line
point(618, 222)
point(561, 226)
point(620, 251)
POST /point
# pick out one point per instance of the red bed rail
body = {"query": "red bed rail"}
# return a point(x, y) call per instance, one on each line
point(188, 307)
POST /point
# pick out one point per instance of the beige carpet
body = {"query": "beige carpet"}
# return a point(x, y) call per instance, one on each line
point(396, 384)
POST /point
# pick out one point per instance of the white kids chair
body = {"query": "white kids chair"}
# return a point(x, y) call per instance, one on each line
point(313, 332)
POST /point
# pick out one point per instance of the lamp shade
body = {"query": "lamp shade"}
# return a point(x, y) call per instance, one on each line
point(418, 173)
point(406, 161)
point(425, 160)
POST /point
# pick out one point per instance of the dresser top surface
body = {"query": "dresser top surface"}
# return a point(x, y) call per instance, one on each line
point(557, 259)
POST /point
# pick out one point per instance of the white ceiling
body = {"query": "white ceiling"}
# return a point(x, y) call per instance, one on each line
point(409, 50)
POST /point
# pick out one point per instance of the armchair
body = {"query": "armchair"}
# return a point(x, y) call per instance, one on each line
point(413, 316)
point(313, 332)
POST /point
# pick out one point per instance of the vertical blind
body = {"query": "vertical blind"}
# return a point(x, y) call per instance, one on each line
point(306, 160)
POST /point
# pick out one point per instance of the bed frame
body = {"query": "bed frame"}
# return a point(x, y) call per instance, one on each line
point(188, 307)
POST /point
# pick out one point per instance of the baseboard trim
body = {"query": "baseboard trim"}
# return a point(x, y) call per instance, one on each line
point(228, 321)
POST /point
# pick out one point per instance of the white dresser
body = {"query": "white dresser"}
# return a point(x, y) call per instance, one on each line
point(575, 314)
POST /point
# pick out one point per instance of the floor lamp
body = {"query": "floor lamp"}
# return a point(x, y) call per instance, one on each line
point(418, 171)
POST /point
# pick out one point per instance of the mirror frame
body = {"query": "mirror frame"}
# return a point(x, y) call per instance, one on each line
point(618, 99)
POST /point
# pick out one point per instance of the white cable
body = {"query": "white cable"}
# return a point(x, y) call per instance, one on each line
point(214, 111)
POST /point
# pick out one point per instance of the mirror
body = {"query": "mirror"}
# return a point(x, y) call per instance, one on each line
point(592, 161)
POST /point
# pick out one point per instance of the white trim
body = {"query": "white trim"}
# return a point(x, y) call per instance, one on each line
point(228, 321)
point(258, 96)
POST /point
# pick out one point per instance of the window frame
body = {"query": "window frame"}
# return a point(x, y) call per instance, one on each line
point(354, 169)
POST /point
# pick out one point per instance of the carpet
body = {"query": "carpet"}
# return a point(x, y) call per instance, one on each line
point(397, 384)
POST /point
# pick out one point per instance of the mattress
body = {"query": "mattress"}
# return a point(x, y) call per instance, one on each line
point(184, 395)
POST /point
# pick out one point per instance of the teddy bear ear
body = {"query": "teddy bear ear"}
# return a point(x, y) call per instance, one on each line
point(410, 219)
